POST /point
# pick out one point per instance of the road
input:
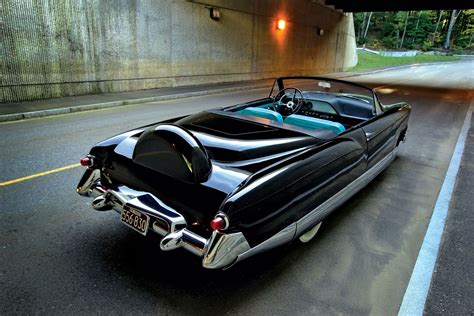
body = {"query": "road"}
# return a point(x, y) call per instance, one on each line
point(58, 256)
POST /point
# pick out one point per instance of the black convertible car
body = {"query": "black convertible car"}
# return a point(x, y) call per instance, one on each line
point(228, 183)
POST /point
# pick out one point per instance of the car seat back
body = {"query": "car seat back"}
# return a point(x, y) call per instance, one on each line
point(314, 123)
point(263, 113)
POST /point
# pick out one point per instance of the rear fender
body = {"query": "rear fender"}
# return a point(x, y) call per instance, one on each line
point(278, 196)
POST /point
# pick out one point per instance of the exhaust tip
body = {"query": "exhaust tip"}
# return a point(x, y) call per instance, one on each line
point(100, 203)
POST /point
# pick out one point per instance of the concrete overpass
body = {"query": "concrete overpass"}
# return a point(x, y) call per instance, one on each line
point(60, 48)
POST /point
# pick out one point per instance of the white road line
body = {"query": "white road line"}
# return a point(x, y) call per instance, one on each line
point(417, 291)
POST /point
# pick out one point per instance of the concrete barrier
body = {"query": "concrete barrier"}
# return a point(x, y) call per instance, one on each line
point(409, 53)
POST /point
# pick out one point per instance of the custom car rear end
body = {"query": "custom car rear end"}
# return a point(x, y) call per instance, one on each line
point(228, 183)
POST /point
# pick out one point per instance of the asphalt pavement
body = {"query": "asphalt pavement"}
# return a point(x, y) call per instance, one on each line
point(58, 256)
point(452, 287)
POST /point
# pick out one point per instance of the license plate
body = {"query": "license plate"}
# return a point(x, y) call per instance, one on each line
point(135, 219)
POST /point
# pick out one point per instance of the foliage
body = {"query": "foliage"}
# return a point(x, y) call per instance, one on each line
point(425, 30)
point(368, 60)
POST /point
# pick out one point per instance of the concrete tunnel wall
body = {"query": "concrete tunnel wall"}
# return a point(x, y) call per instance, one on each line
point(54, 48)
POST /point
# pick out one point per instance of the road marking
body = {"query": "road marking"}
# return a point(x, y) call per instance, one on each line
point(38, 174)
point(417, 290)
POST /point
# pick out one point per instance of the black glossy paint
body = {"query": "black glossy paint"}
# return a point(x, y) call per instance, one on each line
point(277, 196)
point(264, 175)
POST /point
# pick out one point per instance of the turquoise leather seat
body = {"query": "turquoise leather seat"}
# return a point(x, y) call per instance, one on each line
point(263, 113)
point(314, 123)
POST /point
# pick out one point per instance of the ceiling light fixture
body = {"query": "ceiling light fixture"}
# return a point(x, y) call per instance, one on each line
point(281, 24)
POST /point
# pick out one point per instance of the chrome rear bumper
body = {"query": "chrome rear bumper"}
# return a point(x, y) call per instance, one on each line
point(219, 251)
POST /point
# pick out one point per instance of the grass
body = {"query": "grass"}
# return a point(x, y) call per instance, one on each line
point(368, 61)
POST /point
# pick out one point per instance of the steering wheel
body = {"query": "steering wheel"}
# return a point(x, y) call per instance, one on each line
point(293, 103)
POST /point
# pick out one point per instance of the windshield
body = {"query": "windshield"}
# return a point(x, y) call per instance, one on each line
point(324, 85)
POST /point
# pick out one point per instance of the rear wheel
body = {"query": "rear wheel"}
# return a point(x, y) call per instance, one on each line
point(309, 235)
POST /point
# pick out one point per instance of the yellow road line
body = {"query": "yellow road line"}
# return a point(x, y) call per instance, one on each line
point(39, 174)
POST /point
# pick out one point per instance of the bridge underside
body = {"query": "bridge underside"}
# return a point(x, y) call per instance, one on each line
point(400, 5)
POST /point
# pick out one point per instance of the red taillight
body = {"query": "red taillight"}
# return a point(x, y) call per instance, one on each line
point(219, 222)
point(86, 162)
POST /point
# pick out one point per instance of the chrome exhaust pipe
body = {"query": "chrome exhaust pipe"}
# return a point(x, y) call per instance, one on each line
point(90, 185)
point(100, 203)
point(185, 239)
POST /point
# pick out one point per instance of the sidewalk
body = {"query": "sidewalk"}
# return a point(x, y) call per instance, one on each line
point(39, 108)
point(15, 111)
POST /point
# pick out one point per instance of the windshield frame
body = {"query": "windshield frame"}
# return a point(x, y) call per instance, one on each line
point(279, 84)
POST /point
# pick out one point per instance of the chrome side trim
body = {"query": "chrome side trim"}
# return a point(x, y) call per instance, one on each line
point(284, 236)
point(224, 249)
point(315, 216)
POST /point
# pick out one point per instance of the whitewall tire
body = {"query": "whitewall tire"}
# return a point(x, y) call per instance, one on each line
point(306, 237)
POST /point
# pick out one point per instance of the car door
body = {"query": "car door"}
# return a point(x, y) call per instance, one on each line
point(380, 137)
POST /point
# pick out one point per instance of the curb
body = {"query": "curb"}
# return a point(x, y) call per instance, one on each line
point(374, 71)
point(104, 105)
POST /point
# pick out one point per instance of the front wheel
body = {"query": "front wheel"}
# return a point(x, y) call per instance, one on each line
point(309, 235)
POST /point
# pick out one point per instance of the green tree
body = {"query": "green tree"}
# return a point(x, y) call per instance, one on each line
point(415, 30)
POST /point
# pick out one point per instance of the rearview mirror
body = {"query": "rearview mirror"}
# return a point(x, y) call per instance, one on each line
point(324, 84)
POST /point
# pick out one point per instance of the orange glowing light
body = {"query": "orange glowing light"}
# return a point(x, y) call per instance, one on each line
point(281, 24)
